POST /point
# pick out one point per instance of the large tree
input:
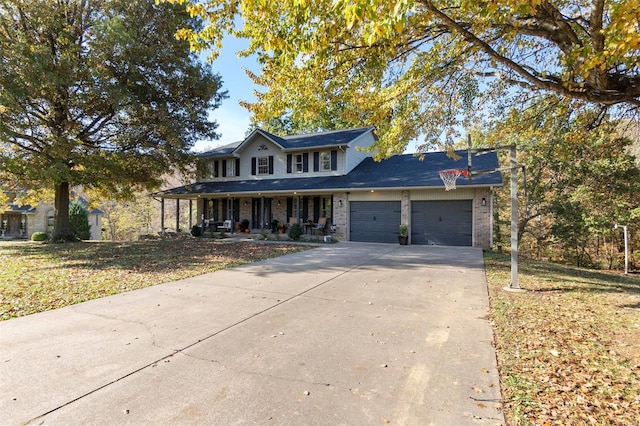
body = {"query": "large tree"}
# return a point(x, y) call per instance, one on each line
point(416, 67)
point(100, 94)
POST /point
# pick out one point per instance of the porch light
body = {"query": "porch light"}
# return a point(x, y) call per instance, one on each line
point(483, 202)
point(340, 203)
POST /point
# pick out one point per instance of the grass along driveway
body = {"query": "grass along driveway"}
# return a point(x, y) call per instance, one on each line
point(569, 347)
point(36, 277)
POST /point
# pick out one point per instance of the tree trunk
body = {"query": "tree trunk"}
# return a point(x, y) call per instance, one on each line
point(61, 227)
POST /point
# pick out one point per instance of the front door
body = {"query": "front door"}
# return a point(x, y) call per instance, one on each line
point(13, 224)
point(261, 214)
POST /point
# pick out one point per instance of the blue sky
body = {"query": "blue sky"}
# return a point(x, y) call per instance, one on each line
point(233, 120)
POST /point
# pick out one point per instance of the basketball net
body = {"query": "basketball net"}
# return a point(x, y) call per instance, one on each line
point(449, 177)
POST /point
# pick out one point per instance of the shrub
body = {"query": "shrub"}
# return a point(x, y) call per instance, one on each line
point(38, 236)
point(79, 220)
point(295, 231)
point(196, 231)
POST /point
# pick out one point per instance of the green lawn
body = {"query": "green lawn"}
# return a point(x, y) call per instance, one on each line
point(569, 347)
point(36, 277)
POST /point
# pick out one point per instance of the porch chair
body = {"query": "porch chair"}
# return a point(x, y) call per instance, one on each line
point(321, 227)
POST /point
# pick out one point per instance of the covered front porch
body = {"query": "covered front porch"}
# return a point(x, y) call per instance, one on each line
point(252, 213)
point(14, 221)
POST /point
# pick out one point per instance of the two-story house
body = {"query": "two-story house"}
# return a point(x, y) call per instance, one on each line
point(307, 177)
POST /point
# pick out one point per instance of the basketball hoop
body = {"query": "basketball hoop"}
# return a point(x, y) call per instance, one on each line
point(449, 177)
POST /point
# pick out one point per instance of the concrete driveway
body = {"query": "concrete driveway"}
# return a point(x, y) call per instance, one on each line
point(345, 334)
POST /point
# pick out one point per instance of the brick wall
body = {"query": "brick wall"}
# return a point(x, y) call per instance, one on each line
point(482, 219)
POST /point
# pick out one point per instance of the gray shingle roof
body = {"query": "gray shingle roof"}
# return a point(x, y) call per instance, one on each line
point(26, 208)
point(306, 141)
point(324, 139)
point(401, 171)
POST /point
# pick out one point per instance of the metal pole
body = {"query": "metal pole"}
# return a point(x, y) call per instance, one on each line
point(514, 219)
point(162, 216)
point(469, 156)
point(232, 215)
point(177, 214)
point(626, 247)
point(190, 214)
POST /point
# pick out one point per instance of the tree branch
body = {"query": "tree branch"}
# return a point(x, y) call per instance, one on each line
point(602, 96)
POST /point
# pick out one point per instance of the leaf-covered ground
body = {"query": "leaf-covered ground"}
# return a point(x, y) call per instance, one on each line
point(569, 347)
point(36, 277)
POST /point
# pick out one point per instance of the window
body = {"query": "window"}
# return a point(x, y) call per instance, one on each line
point(211, 172)
point(231, 168)
point(50, 220)
point(298, 163)
point(325, 161)
point(260, 165)
point(325, 207)
point(263, 165)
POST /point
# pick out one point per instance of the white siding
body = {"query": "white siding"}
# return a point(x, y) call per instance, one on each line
point(354, 156)
point(256, 149)
point(262, 147)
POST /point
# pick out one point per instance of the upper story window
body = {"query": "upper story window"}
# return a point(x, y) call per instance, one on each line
point(211, 169)
point(298, 163)
point(231, 168)
point(325, 161)
point(263, 165)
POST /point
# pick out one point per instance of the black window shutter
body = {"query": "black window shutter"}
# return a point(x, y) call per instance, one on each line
point(289, 162)
point(305, 162)
point(253, 165)
point(216, 169)
point(334, 160)
point(237, 167)
point(271, 164)
point(224, 168)
point(316, 161)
